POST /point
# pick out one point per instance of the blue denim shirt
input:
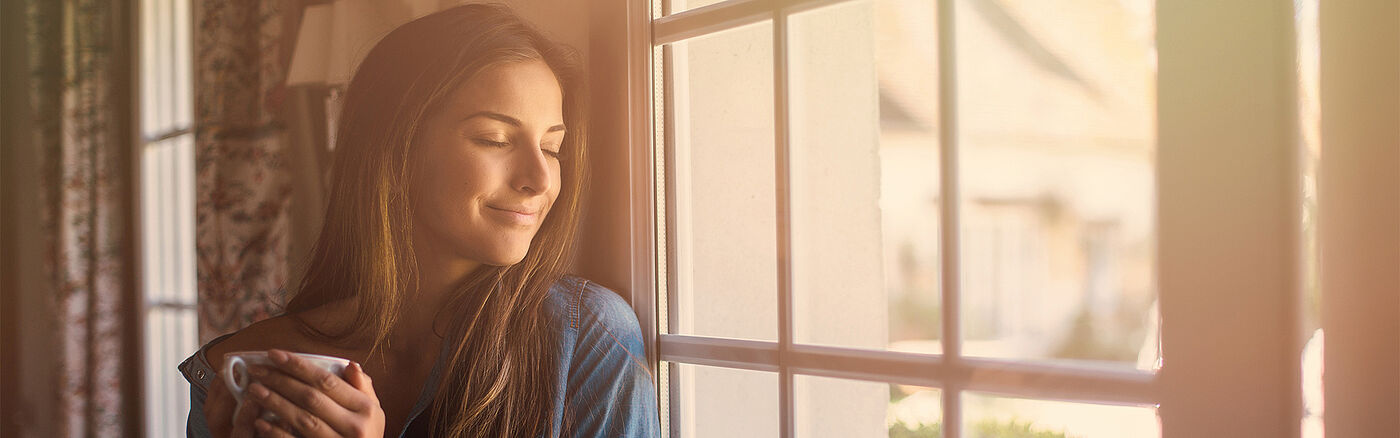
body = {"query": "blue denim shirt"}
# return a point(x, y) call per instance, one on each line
point(604, 386)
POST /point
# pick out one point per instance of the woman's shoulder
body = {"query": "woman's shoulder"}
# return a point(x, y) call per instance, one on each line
point(588, 307)
point(199, 368)
point(283, 331)
point(276, 332)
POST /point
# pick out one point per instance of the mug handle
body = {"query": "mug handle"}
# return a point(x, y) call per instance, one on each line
point(235, 385)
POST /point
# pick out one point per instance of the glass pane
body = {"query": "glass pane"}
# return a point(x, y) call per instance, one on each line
point(181, 88)
point(170, 336)
point(160, 184)
point(165, 69)
point(723, 402)
point(724, 265)
point(987, 416)
point(827, 407)
point(149, 69)
point(678, 6)
point(1309, 117)
point(167, 220)
point(865, 161)
point(1057, 148)
point(183, 214)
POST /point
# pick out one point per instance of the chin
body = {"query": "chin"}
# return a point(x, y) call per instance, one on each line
point(504, 258)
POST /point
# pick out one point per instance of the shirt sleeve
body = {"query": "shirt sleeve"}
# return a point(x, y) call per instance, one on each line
point(195, 427)
point(197, 371)
point(611, 389)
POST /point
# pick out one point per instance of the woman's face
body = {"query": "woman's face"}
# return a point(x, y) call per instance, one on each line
point(488, 165)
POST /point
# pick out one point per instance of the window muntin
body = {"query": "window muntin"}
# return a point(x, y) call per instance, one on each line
point(677, 6)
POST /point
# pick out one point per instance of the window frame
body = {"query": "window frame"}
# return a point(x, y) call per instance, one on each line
point(1236, 381)
point(160, 281)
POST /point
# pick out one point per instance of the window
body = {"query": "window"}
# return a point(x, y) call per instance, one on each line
point(166, 194)
point(953, 217)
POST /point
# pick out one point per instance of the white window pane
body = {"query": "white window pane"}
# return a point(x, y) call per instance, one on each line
point(724, 203)
point(185, 343)
point(183, 216)
point(150, 221)
point(987, 416)
point(170, 216)
point(1056, 138)
point(153, 382)
point(724, 402)
point(164, 67)
point(148, 97)
point(169, 338)
point(827, 407)
point(865, 162)
point(160, 216)
point(182, 90)
point(1309, 123)
point(167, 206)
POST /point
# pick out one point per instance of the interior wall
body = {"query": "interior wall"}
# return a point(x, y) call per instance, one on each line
point(1359, 216)
point(605, 242)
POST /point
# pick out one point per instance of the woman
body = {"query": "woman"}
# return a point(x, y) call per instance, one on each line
point(460, 163)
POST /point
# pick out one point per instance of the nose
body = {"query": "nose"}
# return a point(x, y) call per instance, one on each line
point(532, 171)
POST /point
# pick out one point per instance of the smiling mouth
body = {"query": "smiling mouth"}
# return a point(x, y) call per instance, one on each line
point(522, 212)
point(514, 217)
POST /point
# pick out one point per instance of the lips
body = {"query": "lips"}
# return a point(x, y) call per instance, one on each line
point(522, 210)
point(517, 215)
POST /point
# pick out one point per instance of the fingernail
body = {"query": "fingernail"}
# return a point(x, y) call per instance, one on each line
point(258, 390)
point(278, 356)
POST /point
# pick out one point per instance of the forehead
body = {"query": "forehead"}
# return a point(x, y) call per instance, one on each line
point(526, 90)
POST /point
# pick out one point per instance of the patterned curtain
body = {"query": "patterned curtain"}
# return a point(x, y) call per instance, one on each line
point(77, 128)
point(242, 179)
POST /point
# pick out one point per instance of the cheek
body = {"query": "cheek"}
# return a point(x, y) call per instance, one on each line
point(556, 184)
point(452, 182)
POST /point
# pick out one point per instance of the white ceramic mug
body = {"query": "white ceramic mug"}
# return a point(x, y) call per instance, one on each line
point(235, 370)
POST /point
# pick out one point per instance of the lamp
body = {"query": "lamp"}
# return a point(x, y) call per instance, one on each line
point(334, 37)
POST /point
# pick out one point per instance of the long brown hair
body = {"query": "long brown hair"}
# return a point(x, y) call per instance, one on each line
point(498, 379)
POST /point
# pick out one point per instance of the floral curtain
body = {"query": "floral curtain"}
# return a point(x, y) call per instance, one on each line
point(75, 80)
point(242, 178)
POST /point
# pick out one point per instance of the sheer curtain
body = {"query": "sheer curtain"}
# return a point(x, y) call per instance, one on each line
point(243, 178)
point(77, 93)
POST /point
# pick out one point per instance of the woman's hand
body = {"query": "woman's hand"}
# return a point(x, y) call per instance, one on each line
point(310, 401)
point(224, 417)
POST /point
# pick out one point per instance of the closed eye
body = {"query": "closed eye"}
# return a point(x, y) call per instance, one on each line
point(491, 143)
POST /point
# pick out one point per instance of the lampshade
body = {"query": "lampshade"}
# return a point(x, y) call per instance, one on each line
point(313, 44)
point(334, 37)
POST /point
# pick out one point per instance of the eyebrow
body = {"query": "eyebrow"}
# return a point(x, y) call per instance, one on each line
point(507, 119)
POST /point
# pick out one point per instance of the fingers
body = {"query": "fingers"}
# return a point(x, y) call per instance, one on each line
point(266, 429)
point(218, 409)
point(306, 422)
point(313, 402)
point(333, 386)
point(358, 378)
point(243, 419)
